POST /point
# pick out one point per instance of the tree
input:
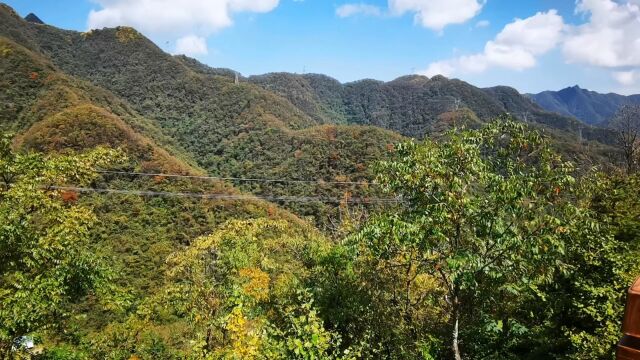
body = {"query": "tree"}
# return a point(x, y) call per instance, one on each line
point(626, 124)
point(484, 212)
point(45, 263)
point(239, 293)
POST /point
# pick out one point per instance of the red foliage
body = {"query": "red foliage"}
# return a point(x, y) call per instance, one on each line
point(34, 76)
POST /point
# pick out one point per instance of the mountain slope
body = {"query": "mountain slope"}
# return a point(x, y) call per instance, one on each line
point(413, 105)
point(409, 105)
point(231, 130)
point(54, 112)
point(589, 106)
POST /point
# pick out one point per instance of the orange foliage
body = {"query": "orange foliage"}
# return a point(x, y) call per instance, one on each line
point(69, 196)
point(331, 133)
point(34, 76)
point(256, 283)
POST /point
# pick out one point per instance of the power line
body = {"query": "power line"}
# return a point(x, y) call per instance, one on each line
point(357, 200)
point(361, 183)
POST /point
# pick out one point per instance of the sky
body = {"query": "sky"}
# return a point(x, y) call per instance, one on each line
point(532, 45)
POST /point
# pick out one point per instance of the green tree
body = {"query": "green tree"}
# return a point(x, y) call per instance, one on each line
point(585, 304)
point(484, 212)
point(45, 263)
point(239, 293)
point(243, 289)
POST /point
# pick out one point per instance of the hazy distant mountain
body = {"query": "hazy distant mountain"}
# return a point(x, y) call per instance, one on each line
point(588, 106)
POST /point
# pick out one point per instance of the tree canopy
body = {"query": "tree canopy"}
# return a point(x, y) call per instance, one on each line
point(45, 262)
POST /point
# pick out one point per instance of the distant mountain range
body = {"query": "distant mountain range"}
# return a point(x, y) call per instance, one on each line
point(589, 106)
point(268, 126)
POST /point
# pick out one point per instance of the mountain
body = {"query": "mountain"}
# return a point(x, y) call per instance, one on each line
point(411, 105)
point(228, 130)
point(278, 125)
point(418, 106)
point(305, 127)
point(33, 18)
point(52, 111)
point(589, 106)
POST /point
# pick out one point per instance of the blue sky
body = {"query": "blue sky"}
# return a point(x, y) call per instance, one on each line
point(385, 39)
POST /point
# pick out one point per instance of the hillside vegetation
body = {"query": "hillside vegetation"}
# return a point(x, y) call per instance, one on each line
point(230, 130)
point(153, 208)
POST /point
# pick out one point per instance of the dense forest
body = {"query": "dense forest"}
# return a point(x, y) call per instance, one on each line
point(152, 207)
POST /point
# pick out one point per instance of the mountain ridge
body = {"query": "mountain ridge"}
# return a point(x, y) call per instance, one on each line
point(186, 98)
point(591, 107)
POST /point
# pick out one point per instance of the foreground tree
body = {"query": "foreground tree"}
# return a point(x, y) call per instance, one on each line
point(45, 263)
point(239, 293)
point(626, 124)
point(485, 213)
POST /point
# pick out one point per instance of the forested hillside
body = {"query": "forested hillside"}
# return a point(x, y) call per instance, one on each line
point(151, 207)
point(411, 105)
point(230, 130)
point(417, 106)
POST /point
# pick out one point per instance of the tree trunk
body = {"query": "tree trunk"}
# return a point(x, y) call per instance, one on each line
point(456, 323)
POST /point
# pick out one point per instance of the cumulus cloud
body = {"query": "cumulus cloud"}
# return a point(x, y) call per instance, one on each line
point(444, 67)
point(611, 37)
point(432, 14)
point(174, 16)
point(626, 78)
point(482, 23)
point(348, 10)
point(191, 45)
point(437, 14)
point(516, 47)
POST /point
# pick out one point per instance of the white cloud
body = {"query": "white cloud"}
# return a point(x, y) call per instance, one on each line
point(482, 23)
point(611, 37)
point(191, 45)
point(432, 14)
point(445, 68)
point(348, 10)
point(626, 78)
point(174, 16)
point(437, 14)
point(516, 47)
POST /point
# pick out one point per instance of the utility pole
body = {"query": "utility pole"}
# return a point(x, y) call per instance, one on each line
point(237, 80)
point(580, 139)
